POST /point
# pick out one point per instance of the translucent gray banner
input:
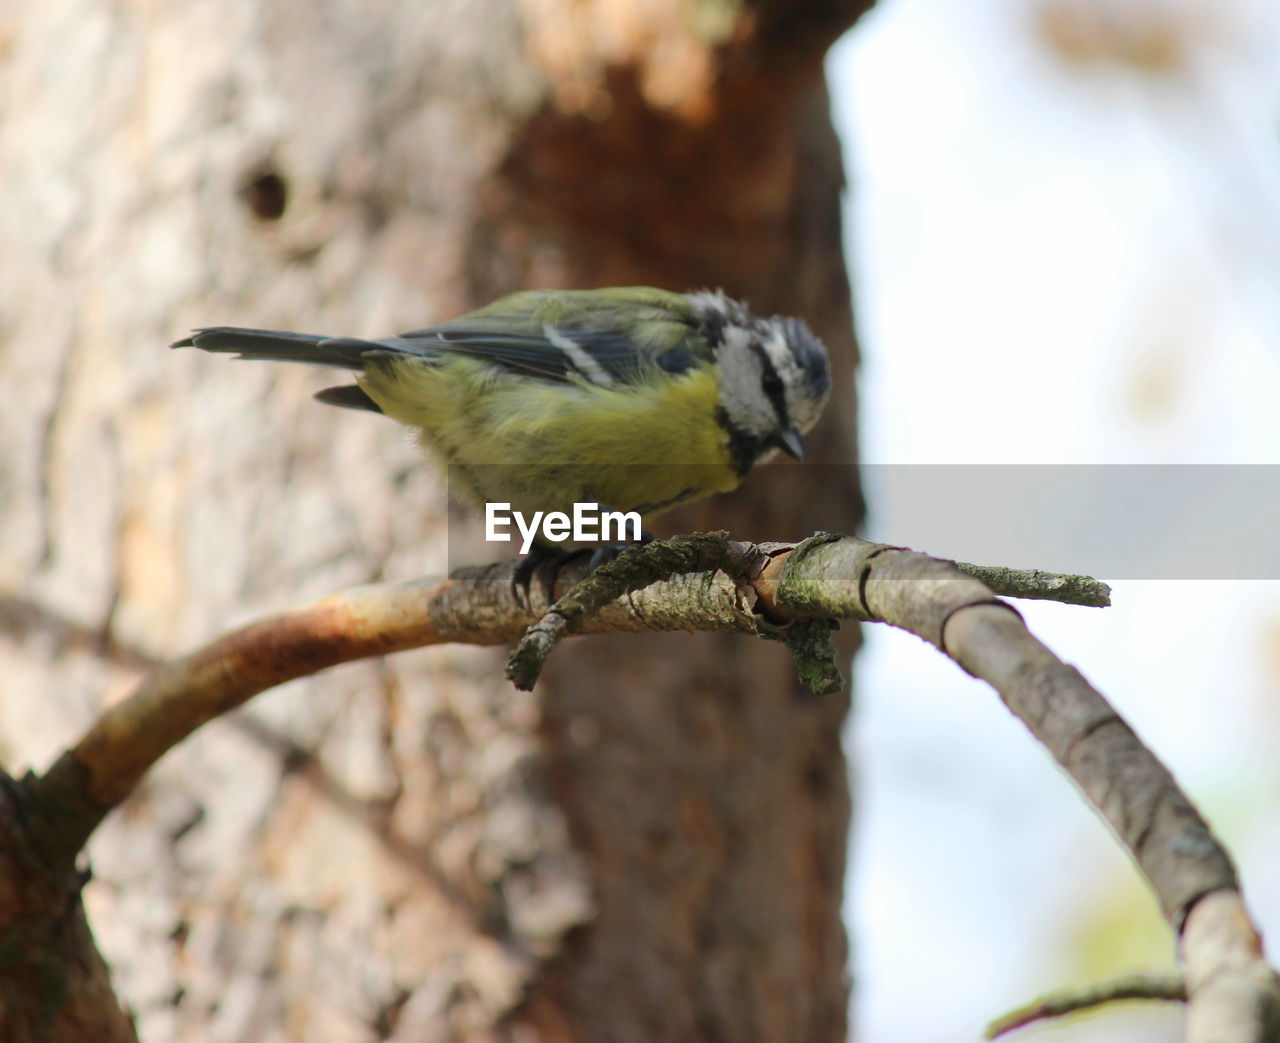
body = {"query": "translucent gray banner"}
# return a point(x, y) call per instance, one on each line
point(1109, 521)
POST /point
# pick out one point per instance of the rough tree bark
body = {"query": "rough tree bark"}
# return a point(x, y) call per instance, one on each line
point(651, 845)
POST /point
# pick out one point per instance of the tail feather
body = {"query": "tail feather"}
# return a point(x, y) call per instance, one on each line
point(279, 346)
point(348, 396)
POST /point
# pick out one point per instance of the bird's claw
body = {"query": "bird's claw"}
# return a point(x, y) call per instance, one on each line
point(526, 570)
point(548, 560)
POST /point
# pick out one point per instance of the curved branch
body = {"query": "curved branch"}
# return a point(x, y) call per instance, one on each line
point(473, 606)
point(1136, 987)
point(1234, 994)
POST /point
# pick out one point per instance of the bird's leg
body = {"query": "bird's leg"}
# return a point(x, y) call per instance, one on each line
point(522, 576)
point(552, 558)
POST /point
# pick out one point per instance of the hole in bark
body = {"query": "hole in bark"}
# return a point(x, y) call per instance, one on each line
point(265, 192)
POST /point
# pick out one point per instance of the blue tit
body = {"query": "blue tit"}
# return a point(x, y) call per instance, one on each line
point(632, 398)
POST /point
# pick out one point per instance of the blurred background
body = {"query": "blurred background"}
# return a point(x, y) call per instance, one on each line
point(1064, 232)
point(1063, 229)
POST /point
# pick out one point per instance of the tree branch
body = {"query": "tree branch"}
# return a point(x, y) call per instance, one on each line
point(1136, 987)
point(825, 577)
point(1233, 993)
point(1042, 586)
point(473, 606)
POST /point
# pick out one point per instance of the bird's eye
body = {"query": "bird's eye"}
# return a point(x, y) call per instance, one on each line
point(772, 384)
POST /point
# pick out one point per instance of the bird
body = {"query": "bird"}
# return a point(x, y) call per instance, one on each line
point(633, 398)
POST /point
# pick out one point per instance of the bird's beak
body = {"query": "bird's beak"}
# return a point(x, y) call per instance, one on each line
point(790, 442)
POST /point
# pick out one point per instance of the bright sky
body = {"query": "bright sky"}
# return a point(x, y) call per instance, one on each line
point(1058, 263)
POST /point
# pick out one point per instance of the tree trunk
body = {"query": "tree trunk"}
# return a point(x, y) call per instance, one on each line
point(649, 846)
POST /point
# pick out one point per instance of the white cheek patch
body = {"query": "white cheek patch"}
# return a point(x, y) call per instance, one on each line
point(741, 375)
point(737, 341)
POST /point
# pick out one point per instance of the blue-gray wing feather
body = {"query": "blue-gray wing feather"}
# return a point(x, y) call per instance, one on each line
point(597, 356)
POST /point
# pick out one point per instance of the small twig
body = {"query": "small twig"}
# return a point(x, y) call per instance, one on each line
point(814, 653)
point(1045, 586)
point(1059, 1004)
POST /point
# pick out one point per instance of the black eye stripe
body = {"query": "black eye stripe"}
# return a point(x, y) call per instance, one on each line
point(771, 383)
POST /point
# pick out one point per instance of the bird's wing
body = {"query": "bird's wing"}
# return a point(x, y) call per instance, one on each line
point(566, 352)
